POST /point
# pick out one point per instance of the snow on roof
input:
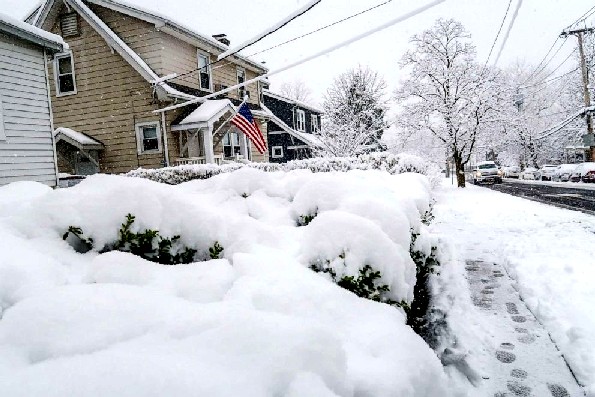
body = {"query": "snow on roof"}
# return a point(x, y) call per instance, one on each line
point(292, 101)
point(149, 74)
point(73, 136)
point(308, 139)
point(181, 18)
point(207, 111)
point(31, 33)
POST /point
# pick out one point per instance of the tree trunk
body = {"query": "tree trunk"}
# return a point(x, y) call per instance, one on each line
point(459, 169)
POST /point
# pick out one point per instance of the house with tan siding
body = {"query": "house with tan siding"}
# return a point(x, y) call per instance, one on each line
point(123, 65)
point(26, 141)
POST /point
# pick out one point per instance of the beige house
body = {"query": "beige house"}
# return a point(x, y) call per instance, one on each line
point(118, 71)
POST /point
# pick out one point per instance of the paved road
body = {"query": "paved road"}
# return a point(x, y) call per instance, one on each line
point(565, 196)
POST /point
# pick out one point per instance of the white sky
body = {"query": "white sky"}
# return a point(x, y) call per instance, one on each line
point(538, 24)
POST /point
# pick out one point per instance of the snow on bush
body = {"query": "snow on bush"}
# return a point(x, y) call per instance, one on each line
point(257, 322)
point(393, 163)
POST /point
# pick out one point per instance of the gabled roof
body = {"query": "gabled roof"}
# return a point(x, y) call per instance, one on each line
point(113, 41)
point(291, 101)
point(31, 34)
point(207, 113)
point(308, 139)
point(77, 139)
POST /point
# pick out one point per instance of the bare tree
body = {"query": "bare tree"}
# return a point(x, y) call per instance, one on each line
point(296, 90)
point(447, 93)
point(355, 108)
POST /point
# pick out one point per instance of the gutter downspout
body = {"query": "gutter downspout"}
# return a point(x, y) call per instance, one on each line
point(47, 84)
point(164, 129)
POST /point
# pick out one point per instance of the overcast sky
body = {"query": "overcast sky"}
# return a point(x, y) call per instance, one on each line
point(538, 24)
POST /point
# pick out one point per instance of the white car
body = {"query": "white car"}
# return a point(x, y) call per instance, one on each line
point(512, 172)
point(530, 173)
point(487, 172)
point(563, 172)
point(547, 171)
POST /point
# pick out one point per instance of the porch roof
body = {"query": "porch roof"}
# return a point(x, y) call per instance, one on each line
point(207, 113)
point(77, 139)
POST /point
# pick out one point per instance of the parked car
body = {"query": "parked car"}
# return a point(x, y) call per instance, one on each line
point(530, 173)
point(588, 175)
point(563, 172)
point(546, 172)
point(487, 172)
point(512, 172)
point(581, 170)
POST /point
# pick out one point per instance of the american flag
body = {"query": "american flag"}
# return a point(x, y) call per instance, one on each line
point(245, 123)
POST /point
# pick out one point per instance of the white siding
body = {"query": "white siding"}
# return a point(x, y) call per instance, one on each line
point(26, 146)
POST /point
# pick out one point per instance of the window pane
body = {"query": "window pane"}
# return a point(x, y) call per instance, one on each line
point(205, 81)
point(226, 140)
point(64, 65)
point(234, 139)
point(149, 132)
point(227, 151)
point(202, 62)
point(66, 83)
point(150, 141)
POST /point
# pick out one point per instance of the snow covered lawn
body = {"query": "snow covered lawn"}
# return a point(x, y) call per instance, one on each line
point(257, 322)
point(547, 250)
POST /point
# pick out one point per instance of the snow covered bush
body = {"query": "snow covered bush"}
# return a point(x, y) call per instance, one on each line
point(257, 321)
point(392, 163)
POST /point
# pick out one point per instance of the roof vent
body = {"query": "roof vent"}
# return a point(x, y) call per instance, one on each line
point(222, 38)
point(69, 24)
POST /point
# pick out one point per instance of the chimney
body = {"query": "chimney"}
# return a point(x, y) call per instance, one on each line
point(222, 38)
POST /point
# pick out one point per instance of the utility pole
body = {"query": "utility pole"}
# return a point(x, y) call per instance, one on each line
point(579, 35)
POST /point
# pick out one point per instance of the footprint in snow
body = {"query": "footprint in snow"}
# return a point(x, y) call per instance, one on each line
point(518, 373)
point(505, 357)
point(519, 319)
point(518, 389)
point(511, 308)
point(557, 390)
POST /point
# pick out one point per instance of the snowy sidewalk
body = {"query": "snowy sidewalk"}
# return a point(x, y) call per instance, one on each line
point(525, 361)
point(529, 269)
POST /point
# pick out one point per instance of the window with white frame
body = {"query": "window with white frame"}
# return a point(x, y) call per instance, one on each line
point(64, 74)
point(314, 123)
point(241, 74)
point(277, 152)
point(300, 120)
point(148, 138)
point(231, 144)
point(204, 71)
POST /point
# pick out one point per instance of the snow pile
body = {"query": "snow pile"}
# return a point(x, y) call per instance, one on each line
point(393, 163)
point(256, 322)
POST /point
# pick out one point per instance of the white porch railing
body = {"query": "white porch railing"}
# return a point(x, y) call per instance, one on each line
point(198, 160)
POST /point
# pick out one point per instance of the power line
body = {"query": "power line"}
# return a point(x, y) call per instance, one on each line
point(582, 17)
point(324, 27)
point(514, 16)
point(286, 42)
point(543, 60)
point(279, 25)
point(498, 34)
point(550, 80)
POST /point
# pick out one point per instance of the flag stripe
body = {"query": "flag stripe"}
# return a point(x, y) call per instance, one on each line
point(250, 132)
point(245, 122)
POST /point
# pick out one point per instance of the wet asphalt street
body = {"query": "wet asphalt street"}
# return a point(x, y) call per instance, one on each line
point(565, 195)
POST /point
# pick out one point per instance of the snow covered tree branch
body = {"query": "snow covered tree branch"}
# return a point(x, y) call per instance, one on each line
point(355, 107)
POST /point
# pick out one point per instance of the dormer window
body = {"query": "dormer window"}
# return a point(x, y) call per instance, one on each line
point(69, 25)
point(64, 74)
point(204, 72)
point(315, 126)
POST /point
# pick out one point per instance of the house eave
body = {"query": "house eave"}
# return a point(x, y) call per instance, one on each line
point(176, 30)
point(31, 37)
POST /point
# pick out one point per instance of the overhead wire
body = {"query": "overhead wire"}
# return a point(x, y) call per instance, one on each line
point(281, 44)
point(505, 40)
point(498, 34)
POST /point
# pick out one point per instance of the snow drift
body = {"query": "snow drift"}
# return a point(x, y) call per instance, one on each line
point(257, 322)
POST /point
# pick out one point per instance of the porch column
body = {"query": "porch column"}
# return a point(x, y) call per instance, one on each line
point(243, 144)
point(207, 139)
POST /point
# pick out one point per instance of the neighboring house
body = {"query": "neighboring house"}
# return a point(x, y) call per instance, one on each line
point(106, 88)
point(291, 128)
point(26, 142)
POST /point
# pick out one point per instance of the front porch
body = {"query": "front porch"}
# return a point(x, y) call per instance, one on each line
point(206, 136)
